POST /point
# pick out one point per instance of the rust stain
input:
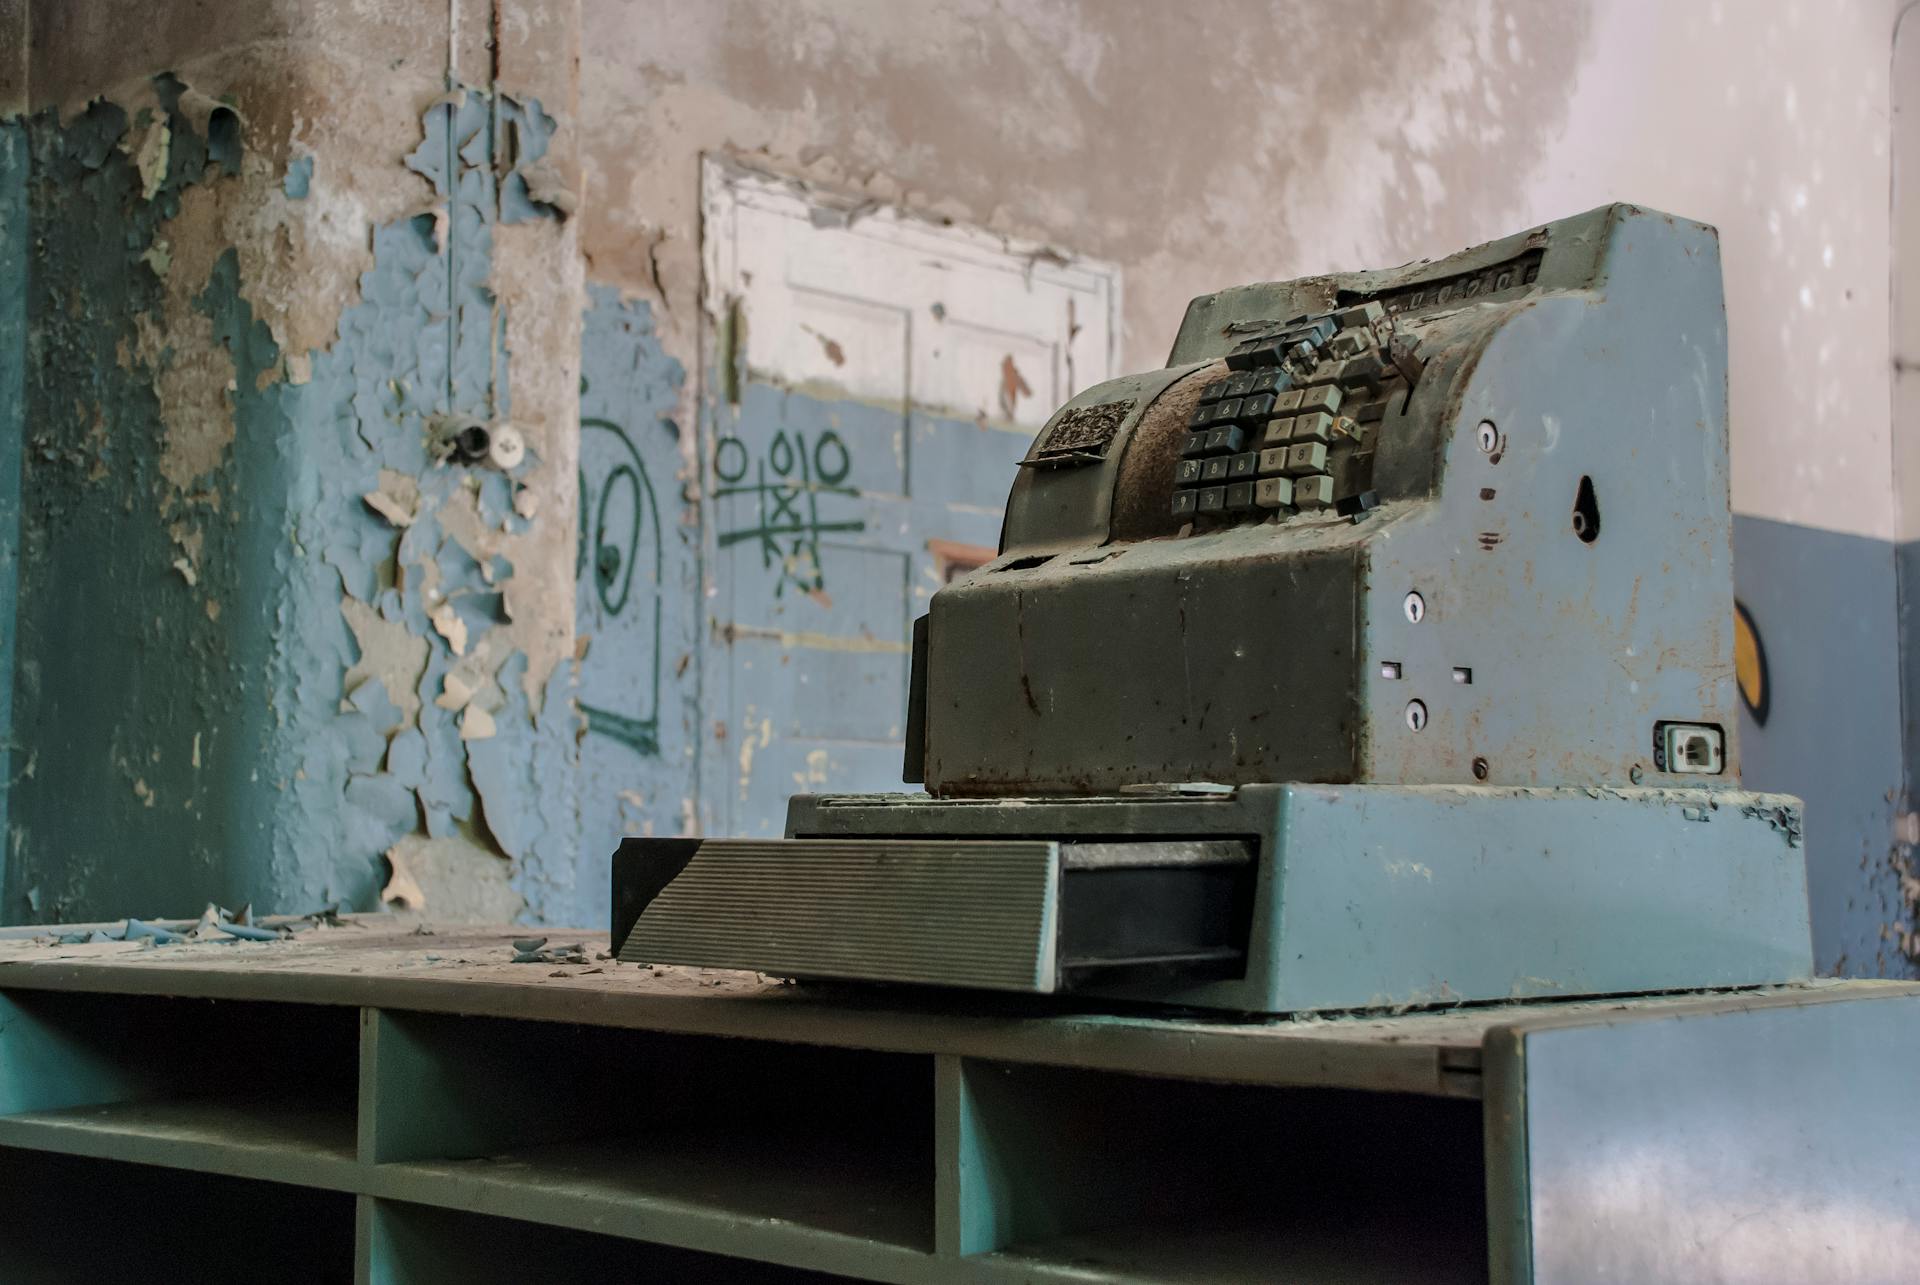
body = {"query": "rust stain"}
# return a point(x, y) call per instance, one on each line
point(821, 596)
point(828, 345)
point(1013, 386)
point(1020, 632)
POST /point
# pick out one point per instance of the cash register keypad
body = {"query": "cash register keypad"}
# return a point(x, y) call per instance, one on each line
point(1297, 409)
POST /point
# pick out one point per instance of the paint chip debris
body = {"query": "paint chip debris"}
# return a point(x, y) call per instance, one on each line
point(447, 623)
point(476, 724)
point(150, 158)
point(397, 500)
point(403, 890)
point(547, 186)
point(455, 692)
point(534, 950)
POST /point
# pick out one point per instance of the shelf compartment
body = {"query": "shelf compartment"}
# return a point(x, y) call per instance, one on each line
point(74, 1218)
point(813, 1157)
point(410, 1244)
point(1053, 1173)
point(261, 1091)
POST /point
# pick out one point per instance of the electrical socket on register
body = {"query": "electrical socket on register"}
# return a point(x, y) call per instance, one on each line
point(1691, 748)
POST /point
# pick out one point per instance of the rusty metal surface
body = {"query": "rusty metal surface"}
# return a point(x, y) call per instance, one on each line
point(1145, 483)
point(1212, 318)
point(1067, 501)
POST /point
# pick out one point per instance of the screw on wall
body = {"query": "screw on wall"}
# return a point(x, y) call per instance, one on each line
point(507, 448)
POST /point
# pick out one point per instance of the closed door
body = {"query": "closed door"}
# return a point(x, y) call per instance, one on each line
point(874, 380)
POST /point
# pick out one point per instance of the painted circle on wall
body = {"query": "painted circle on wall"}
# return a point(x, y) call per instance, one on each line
point(1750, 665)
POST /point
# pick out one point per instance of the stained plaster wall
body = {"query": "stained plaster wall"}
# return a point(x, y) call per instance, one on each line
point(264, 637)
point(1906, 423)
point(1203, 146)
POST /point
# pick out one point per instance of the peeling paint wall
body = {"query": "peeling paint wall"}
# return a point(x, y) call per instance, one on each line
point(114, 674)
point(284, 649)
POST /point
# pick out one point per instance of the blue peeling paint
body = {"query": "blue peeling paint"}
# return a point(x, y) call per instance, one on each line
point(207, 722)
point(299, 179)
point(530, 130)
point(425, 340)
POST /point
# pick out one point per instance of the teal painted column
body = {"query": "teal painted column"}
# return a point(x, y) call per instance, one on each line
point(13, 341)
point(269, 634)
point(130, 694)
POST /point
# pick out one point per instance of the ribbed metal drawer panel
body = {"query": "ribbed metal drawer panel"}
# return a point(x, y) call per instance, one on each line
point(944, 912)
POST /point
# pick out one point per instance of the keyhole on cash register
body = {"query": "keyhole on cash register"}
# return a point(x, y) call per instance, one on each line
point(1586, 512)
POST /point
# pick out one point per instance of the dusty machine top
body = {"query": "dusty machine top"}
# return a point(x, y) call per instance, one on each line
point(1463, 521)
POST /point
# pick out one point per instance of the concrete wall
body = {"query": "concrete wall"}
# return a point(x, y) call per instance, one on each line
point(1198, 146)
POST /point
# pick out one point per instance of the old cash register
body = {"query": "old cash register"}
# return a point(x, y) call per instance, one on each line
point(1376, 652)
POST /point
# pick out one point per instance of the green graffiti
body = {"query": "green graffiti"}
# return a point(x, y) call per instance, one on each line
point(609, 548)
point(788, 481)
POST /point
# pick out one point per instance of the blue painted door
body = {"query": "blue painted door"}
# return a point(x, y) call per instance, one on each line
point(877, 381)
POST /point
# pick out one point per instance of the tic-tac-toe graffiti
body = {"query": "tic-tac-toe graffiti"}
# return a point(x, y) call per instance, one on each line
point(797, 492)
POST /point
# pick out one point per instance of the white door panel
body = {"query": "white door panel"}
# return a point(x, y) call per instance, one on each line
point(894, 372)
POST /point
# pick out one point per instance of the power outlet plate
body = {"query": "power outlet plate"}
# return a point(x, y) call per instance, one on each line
point(1690, 749)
